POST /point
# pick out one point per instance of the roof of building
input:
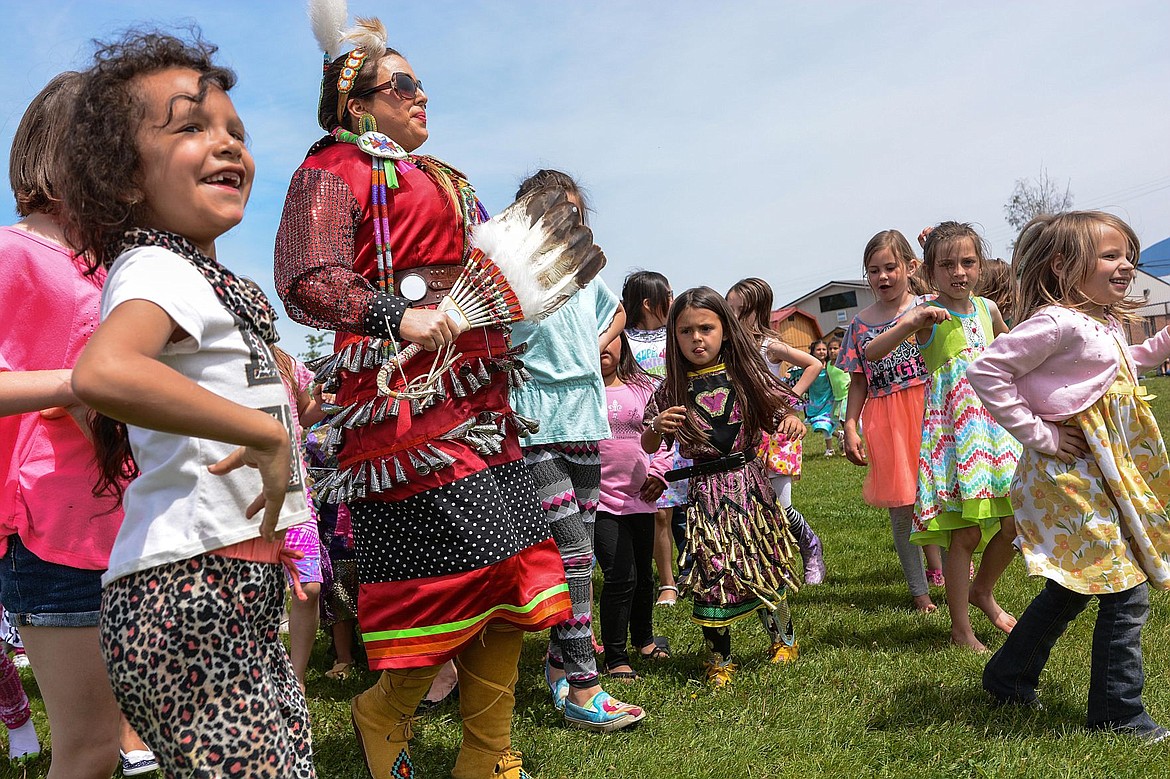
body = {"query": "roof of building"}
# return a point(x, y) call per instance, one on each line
point(854, 283)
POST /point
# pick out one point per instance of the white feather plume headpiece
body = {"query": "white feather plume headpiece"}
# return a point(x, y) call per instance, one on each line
point(369, 35)
point(328, 19)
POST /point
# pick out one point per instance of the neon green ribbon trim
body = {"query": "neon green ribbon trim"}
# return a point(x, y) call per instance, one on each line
point(452, 627)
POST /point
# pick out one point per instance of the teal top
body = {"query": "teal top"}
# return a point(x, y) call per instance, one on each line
point(566, 394)
point(948, 338)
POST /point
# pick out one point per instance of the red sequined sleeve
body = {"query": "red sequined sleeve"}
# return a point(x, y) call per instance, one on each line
point(314, 261)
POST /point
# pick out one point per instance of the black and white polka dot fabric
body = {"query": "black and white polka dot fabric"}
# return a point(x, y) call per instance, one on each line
point(384, 315)
point(471, 523)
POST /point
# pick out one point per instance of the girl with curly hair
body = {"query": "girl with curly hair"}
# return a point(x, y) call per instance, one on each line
point(181, 369)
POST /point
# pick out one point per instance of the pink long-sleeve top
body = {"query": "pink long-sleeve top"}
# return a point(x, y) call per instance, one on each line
point(50, 310)
point(624, 466)
point(1053, 366)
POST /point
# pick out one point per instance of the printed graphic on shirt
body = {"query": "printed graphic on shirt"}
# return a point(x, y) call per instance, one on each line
point(261, 368)
point(283, 415)
point(897, 367)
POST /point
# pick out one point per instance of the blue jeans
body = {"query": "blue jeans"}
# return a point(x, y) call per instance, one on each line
point(38, 593)
point(1116, 677)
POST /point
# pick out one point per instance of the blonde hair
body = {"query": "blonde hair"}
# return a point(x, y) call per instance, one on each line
point(998, 284)
point(944, 234)
point(1071, 238)
point(903, 253)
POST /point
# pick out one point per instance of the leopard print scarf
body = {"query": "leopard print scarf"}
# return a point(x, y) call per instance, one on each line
point(239, 295)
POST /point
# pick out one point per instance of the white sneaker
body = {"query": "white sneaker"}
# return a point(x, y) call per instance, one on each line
point(137, 762)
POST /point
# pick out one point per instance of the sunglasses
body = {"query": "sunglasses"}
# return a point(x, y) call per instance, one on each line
point(402, 84)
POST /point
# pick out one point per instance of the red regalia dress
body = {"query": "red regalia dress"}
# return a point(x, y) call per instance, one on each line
point(448, 531)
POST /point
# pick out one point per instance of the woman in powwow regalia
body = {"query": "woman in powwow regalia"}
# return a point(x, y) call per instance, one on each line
point(454, 557)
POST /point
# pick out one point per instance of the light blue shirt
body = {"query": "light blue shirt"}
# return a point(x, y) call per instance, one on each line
point(566, 393)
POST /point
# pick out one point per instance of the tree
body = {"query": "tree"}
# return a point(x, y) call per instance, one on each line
point(1032, 197)
point(314, 342)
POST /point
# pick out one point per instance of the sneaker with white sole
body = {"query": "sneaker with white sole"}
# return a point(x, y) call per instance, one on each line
point(137, 762)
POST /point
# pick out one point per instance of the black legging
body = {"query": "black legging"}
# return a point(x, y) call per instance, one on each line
point(624, 546)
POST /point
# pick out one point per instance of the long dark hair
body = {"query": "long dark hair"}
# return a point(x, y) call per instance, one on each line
point(644, 285)
point(34, 162)
point(763, 400)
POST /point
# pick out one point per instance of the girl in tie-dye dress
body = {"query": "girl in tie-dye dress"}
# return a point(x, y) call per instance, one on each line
point(967, 460)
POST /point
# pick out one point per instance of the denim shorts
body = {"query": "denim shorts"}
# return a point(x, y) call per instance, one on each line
point(37, 593)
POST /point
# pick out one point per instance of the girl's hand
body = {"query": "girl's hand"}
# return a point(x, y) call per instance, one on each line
point(791, 427)
point(922, 236)
point(274, 463)
point(924, 316)
point(288, 558)
point(652, 489)
point(854, 448)
point(1071, 444)
point(669, 421)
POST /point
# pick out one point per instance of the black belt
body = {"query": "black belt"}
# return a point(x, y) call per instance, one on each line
point(720, 465)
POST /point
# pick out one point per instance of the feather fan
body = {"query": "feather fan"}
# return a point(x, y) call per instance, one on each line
point(526, 263)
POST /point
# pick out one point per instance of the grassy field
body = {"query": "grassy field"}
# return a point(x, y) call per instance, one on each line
point(877, 692)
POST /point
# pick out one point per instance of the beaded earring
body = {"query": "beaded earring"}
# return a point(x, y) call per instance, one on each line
point(367, 124)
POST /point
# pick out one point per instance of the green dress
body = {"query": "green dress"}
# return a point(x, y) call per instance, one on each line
point(966, 461)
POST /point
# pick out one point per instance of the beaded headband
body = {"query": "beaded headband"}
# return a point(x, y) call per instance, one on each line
point(347, 77)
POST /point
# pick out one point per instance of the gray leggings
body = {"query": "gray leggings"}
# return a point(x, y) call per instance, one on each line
point(909, 553)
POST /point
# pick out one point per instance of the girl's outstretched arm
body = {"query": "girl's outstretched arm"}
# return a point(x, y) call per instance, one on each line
point(1153, 351)
point(858, 392)
point(310, 405)
point(779, 352)
point(22, 392)
point(918, 321)
point(120, 376)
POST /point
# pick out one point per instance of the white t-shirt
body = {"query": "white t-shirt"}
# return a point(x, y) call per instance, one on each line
point(176, 509)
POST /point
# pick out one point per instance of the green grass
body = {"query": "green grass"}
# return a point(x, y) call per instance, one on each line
point(877, 691)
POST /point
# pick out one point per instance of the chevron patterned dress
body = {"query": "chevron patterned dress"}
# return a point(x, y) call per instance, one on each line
point(966, 462)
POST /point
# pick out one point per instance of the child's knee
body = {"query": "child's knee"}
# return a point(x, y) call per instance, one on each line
point(965, 539)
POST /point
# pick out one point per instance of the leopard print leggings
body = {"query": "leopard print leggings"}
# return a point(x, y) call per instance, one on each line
point(195, 658)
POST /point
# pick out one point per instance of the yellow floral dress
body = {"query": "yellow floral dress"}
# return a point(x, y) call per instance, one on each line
point(1099, 524)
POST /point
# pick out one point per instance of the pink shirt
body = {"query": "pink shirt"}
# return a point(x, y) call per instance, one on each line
point(624, 466)
point(1053, 366)
point(50, 310)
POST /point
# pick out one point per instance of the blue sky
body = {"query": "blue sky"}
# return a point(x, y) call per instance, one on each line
point(717, 140)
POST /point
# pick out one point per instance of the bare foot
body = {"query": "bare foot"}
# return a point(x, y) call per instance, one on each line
point(969, 642)
point(988, 605)
point(924, 605)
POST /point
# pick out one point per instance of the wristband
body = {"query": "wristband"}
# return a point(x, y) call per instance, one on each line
point(653, 427)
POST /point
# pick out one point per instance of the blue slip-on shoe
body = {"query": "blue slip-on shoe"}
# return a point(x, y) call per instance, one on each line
point(602, 714)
